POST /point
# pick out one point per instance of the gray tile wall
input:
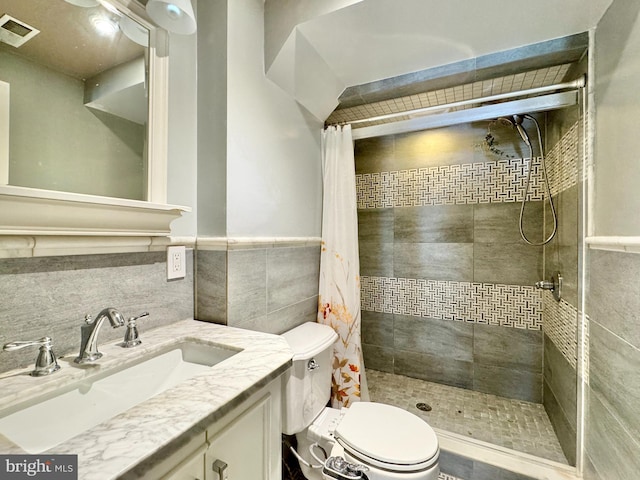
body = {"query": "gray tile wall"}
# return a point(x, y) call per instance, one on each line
point(211, 286)
point(271, 289)
point(50, 296)
point(613, 412)
point(491, 359)
point(467, 469)
point(460, 243)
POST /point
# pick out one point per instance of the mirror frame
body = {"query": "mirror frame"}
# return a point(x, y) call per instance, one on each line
point(31, 211)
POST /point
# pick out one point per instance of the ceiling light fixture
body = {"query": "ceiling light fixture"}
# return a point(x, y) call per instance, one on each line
point(134, 31)
point(83, 3)
point(175, 16)
point(104, 25)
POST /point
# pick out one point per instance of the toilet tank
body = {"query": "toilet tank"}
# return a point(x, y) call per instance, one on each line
point(307, 385)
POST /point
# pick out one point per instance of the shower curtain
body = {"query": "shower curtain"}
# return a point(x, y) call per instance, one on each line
point(339, 290)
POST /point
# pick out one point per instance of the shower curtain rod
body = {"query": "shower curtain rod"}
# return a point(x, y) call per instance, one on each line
point(574, 84)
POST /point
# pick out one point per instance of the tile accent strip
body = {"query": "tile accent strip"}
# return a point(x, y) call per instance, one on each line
point(562, 161)
point(464, 184)
point(484, 303)
point(561, 326)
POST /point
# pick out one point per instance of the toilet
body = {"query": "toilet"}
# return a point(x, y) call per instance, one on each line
point(378, 441)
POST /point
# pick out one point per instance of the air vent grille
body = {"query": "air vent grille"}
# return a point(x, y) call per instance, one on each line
point(14, 32)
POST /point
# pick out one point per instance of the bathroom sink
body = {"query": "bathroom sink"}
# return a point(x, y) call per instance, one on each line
point(48, 421)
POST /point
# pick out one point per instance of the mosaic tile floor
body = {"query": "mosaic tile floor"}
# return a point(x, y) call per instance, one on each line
point(515, 424)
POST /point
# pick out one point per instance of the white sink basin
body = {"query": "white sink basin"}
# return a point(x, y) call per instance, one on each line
point(48, 421)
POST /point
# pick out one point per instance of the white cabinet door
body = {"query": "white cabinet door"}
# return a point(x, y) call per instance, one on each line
point(242, 449)
point(192, 468)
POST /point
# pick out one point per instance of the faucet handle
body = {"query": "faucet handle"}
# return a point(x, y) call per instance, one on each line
point(46, 362)
point(131, 336)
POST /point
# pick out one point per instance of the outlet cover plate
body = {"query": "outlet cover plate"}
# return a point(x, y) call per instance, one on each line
point(176, 262)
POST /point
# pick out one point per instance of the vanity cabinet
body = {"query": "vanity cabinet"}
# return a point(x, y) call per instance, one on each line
point(243, 445)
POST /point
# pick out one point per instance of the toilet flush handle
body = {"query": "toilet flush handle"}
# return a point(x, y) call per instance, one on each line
point(312, 365)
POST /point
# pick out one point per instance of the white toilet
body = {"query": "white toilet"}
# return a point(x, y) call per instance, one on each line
point(388, 443)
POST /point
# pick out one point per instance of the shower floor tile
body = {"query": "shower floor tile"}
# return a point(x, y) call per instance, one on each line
point(515, 424)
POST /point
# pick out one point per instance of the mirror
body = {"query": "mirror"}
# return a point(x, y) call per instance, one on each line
point(74, 98)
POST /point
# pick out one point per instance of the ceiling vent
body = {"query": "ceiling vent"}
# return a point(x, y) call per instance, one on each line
point(14, 32)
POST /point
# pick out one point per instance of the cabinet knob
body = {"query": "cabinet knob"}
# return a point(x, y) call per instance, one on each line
point(220, 468)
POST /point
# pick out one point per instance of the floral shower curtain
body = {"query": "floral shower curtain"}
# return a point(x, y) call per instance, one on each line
point(339, 294)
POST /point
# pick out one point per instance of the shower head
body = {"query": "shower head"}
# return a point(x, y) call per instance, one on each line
point(515, 121)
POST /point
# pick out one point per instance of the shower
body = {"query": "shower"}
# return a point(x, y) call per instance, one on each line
point(516, 121)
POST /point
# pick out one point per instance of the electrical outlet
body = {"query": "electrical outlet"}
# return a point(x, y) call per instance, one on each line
point(176, 262)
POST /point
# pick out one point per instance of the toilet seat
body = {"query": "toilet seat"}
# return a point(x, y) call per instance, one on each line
point(387, 437)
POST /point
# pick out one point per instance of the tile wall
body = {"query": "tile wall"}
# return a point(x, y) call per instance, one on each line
point(446, 280)
point(259, 285)
point(560, 318)
point(613, 410)
point(49, 296)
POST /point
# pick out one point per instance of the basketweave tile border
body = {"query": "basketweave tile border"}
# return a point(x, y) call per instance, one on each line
point(473, 183)
point(483, 303)
point(563, 165)
point(463, 184)
point(561, 326)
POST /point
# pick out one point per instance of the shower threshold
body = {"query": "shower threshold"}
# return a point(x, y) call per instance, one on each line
point(513, 424)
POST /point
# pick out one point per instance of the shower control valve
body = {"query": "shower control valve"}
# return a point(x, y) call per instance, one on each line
point(554, 285)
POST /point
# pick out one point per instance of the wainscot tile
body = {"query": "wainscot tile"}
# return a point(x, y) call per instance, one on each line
point(614, 367)
point(612, 450)
point(612, 301)
point(291, 316)
point(247, 285)
point(292, 275)
point(211, 286)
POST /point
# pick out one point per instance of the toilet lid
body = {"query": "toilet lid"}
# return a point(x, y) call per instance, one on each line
point(387, 436)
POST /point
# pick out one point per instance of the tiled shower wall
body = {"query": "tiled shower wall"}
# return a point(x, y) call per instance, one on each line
point(268, 286)
point(447, 290)
point(560, 318)
point(49, 296)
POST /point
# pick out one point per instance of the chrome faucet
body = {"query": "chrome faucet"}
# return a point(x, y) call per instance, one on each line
point(89, 343)
point(46, 363)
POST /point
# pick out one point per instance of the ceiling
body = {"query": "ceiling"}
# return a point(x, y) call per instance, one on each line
point(369, 51)
point(377, 39)
point(68, 42)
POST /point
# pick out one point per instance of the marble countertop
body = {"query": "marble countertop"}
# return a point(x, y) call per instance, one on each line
point(173, 417)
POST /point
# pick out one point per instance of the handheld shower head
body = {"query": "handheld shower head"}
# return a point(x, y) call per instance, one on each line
point(515, 121)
